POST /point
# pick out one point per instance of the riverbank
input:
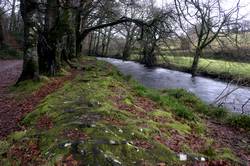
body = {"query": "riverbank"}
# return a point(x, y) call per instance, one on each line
point(102, 117)
point(228, 71)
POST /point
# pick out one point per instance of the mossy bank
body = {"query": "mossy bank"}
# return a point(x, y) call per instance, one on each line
point(104, 118)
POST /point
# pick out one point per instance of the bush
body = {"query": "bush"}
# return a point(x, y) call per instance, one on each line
point(7, 52)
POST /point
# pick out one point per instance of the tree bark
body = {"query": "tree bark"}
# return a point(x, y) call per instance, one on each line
point(108, 41)
point(194, 67)
point(47, 41)
point(30, 58)
point(104, 38)
point(90, 44)
point(126, 51)
point(149, 58)
point(77, 30)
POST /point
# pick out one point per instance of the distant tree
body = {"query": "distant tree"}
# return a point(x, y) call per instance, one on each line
point(160, 28)
point(1, 32)
point(12, 25)
point(3, 11)
point(207, 18)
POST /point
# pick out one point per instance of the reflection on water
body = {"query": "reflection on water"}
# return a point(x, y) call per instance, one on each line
point(207, 89)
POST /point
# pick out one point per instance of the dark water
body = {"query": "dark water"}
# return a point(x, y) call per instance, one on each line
point(205, 88)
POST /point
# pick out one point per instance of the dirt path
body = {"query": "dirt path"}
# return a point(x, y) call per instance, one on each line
point(9, 73)
point(11, 110)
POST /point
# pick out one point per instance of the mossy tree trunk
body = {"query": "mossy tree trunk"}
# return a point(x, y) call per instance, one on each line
point(30, 57)
point(48, 39)
point(149, 44)
point(149, 58)
point(127, 47)
point(130, 40)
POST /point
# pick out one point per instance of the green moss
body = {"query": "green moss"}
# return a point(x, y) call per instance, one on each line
point(18, 135)
point(128, 101)
point(62, 72)
point(161, 113)
point(182, 128)
point(27, 87)
point(4, 146)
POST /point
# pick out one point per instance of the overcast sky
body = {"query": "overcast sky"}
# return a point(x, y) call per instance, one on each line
point(245, 10)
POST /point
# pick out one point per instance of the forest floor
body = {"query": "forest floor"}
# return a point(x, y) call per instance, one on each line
point(96, 116)
point(9, 73)
point(15, 105)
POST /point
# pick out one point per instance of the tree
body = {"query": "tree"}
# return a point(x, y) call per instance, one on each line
point(207, 18)
point(3, 10)
point(54, 31)
point(13, 16)
point(160, 28)
point(30, 65)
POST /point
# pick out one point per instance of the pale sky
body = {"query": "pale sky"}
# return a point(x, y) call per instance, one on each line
point(245, 10)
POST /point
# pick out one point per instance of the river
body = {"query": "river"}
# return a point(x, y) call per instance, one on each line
point(205, 88)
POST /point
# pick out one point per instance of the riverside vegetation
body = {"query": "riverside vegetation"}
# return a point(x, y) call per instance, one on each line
point(103, 117)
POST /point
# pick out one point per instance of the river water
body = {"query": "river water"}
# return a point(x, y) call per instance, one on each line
point(205, 88)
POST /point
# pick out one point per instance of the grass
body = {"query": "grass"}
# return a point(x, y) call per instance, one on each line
point(102, 117)
point(213, 66)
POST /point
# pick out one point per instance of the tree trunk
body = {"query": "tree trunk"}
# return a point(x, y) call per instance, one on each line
point(47, 41)
point(127, 47)
point(30, 58)
point(90, 44)
point(194, 67)
point(13, 16)
point(77, 31)
point(126, 50)
point(94, 43)
point(97, 43)
point(1, 33)
point(104, 37)
point(108, 41)
point(149, 58)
